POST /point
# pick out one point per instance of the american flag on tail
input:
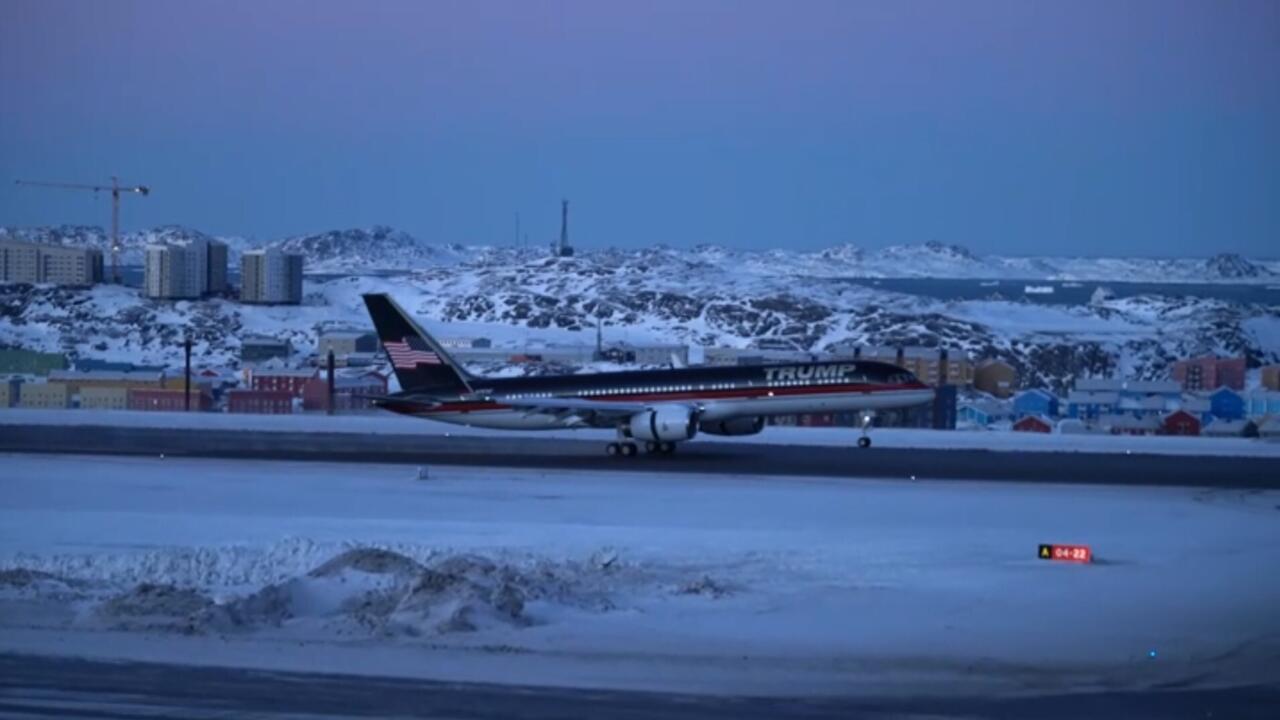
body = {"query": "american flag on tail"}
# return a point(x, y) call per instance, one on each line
point(404, 356)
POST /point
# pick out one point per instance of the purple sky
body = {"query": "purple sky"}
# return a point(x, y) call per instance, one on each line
point(1020, 127)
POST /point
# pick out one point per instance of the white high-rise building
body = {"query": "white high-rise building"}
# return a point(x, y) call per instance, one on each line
point(270, 276)
point(185, 269)
point(166, 273)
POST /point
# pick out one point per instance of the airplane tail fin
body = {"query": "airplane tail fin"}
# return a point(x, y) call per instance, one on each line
point(418, 361)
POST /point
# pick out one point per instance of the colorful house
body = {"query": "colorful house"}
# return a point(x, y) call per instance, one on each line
point(1180, 422)
point(1263, 402)
point(984, 412)
point(995, 377)
point(1034, 423)
point(1035, 402)
point(1226, 404)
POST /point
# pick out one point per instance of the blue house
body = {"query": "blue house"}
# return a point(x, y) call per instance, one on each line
point(1264, 402)
point(1035, 402)
point(983, 412)
point(1090, 405)
point(1226, 404)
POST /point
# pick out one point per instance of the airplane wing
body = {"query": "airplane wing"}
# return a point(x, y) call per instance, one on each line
point(422, 402)
point(592, 412)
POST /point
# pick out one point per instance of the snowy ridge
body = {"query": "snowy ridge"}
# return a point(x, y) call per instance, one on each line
point(381, 248)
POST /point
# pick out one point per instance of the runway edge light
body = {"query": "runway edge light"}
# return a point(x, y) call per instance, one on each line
point(1065, 553)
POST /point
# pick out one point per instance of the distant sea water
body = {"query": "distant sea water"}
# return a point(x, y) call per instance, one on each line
point(1067, 292)
point(1064, 292)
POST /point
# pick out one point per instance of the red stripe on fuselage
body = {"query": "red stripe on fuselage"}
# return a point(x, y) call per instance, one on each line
point(747, 393)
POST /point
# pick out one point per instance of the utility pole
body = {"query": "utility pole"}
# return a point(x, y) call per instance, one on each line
point(115, 189)
point(329, 363)
point(186, 386)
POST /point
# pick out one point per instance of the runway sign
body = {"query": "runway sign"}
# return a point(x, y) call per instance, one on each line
point(1066, 553)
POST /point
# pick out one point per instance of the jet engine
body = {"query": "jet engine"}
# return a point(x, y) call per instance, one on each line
point(733, 426)
point(668, 423)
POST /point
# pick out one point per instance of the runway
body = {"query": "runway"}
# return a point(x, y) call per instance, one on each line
point(531, 451)
point(45, 687)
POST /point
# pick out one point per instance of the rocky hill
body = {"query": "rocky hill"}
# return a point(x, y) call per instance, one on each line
point(709, 297)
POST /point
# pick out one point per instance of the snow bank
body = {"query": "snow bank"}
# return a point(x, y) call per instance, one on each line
point(742, 585)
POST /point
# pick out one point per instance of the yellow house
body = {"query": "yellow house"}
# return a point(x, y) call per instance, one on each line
point(77, 380)
point(104, 398)
point(45, 395)
point(995, 377)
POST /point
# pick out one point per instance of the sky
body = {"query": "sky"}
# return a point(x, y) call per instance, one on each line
point(1095, 127)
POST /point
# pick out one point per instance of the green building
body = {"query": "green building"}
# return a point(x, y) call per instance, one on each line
point(30, 362)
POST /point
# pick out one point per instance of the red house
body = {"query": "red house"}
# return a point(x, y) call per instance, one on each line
point(1210, 373)
point(290, 381)
point(1180, 422)
point(262, 402)
point(349, 391)
point(1033, 423)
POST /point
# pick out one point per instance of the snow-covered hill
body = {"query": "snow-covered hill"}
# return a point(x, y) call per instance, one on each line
point(702, 298)
point(377, 248)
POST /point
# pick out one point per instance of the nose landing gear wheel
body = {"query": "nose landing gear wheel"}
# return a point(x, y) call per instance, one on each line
point(864, 442)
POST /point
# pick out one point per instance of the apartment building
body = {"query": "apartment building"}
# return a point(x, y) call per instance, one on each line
point(934, 366)
point(270, 276)
point(24, 262)
point(189, 268)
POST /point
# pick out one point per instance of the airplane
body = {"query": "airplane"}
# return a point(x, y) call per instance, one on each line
point(657, 407)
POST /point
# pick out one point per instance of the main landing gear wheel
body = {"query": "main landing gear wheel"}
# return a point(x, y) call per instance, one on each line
point(623, 449)
point(651, 446)
point(666, 448)
point(864, 442)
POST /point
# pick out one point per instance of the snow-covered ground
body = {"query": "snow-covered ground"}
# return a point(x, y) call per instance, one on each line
point(694, 583)
point(388, 424)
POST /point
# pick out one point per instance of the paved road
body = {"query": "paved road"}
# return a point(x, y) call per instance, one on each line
point(49, 687)
point(717, 458)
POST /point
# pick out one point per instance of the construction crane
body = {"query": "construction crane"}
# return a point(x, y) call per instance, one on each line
point(115, 188)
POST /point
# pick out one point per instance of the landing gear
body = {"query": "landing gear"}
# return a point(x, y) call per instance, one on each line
point(625, 449)
point(865, 440)
point(659, 448)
